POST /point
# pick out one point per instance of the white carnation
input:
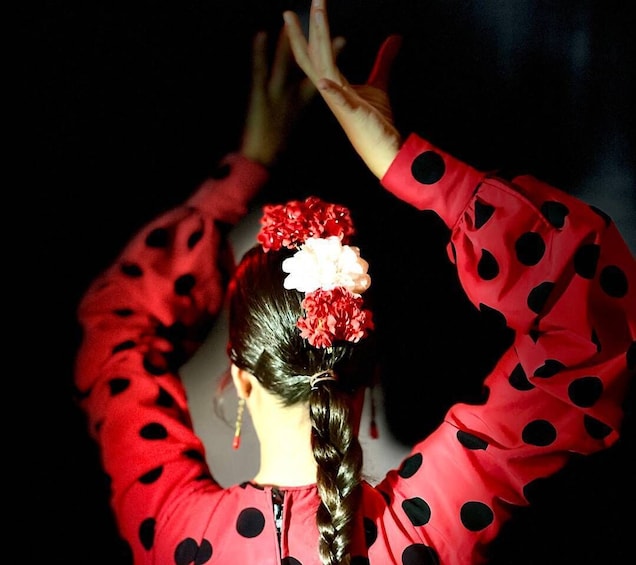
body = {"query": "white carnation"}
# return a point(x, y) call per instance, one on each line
point(325, 263)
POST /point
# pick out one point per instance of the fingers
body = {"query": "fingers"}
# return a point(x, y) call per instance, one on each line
point(337, 45)
point(380, 73)
point(298, 43)
point(282, 63)
point(320, 38)
point(316, 54)
point(259, 62)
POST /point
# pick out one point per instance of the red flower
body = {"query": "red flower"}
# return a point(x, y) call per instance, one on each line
point(330, 315)
point(289, 225)
point(333, 315)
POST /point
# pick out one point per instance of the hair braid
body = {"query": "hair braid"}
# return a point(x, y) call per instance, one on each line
point(339, 457)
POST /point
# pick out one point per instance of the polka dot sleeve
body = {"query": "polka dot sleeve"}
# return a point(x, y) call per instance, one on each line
point(557, 272)
point(141, 319)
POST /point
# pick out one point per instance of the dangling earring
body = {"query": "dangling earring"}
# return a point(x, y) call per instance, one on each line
point(373, 426)
point(236, 442)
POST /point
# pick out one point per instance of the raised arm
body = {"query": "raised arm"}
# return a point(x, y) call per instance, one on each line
point(363, 111)
point(278, 96)
point(550, 267)
point(557, 272)
point(150, 310)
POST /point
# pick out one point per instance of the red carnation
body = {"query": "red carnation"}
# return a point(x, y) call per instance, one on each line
point(333, 315)
point(289, 225)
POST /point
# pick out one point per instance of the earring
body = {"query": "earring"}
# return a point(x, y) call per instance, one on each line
point(236, 442)
point(373, 426)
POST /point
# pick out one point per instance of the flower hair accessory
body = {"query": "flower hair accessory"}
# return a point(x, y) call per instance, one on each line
point(329, 272)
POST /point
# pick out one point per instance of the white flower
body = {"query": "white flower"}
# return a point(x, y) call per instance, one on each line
point(324, 263)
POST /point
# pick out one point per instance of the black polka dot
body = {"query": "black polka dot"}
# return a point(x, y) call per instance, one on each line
point(132, 270)
point(154, 431)
point(165, 399)
point(493, 317)
point(549, 368)
point(151, 476)
point(370, 531)
point(419, 554)
point(519, 380)
point(539, 432)
point(596, 428)
point(188, 551)
point(534, 335)
point(158, 238)
point(124, 550)
point(250, 522)
point(124, 346)
point(487, 268)
point(204, 554)
point(607, 219)
point(555, 213)
point(613, 281)
point(586, 260)
point(529, 248)
point(194, 238)
point(124, 312)
point(410, 466)
point(476, 516)
point(483, 212)
point(428, 167)
point(360, 560)
point(417, 511)
point(194, 454)
point(631, 356)
point(184, 284)
point(585, 391)
point(471, 441)
point(147, 533)
point(118, 385)
point(539, 296)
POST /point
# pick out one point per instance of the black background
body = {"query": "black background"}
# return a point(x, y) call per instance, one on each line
point(128, 107)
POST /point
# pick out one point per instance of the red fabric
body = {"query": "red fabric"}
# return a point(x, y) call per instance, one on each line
point(555, 268)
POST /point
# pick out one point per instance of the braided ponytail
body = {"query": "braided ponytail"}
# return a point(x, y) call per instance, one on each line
point(296, 323)
point(339, 457)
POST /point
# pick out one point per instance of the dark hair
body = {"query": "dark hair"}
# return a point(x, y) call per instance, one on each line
point(264, 340)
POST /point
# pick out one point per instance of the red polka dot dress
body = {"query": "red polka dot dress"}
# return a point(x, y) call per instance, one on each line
point(553, 268)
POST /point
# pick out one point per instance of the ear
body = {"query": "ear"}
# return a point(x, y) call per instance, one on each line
point(242, 381)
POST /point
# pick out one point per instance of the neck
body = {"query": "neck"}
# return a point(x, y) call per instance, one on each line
point(284, 435)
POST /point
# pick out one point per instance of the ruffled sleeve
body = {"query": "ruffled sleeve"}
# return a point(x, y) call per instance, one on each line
point(141, 320)
point(558, 273)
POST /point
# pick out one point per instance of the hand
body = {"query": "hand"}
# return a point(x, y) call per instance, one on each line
point(363, 111)
point(277, 98)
